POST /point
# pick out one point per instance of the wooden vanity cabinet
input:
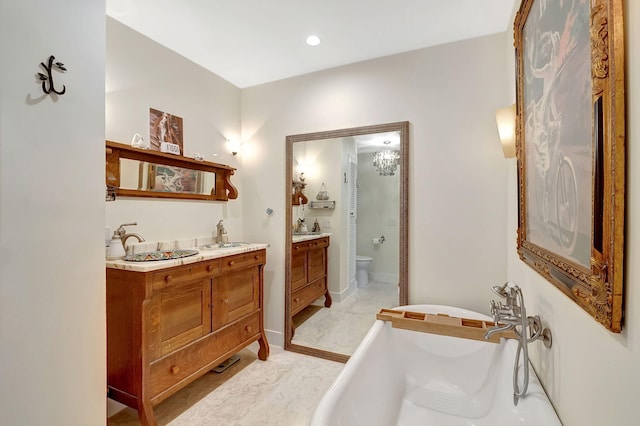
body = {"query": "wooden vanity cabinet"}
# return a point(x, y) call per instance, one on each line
point(309, 274)
point(168, 327)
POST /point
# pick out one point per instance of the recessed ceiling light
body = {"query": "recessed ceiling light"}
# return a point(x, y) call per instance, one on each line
point(313, 40)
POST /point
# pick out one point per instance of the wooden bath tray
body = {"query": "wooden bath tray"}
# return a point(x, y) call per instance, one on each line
point(443, 325)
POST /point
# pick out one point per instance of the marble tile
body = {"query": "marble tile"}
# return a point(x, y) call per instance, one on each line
point(202, 255)
point(342, 327)
point(201, 241)
point(308, 237)
point(282, 391)
point(167, 245)
point(186, 244)
point(145, 246)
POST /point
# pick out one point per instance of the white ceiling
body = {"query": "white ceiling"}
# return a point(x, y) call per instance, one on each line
point(250, 42)
point(377, 142)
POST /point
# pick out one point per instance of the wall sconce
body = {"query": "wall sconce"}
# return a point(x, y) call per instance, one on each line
point(301, 168)
point(506, 119)
point(234, 145)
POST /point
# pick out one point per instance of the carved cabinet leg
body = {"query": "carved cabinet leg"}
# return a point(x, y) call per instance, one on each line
point(327, 299)
point(263, 352)
point(145, 414)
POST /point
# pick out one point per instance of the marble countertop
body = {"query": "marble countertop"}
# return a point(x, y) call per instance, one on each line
point(203, 254)
point(298, 238)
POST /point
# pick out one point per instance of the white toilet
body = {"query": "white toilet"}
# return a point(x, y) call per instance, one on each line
point(362, 270)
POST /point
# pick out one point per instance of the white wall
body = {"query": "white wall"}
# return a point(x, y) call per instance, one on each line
point(52, 289)
point(142, 74)
point(458, 176)
point(592, 375)
point(378, 214)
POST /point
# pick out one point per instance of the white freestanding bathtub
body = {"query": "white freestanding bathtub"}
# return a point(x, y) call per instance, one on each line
point(403, 377)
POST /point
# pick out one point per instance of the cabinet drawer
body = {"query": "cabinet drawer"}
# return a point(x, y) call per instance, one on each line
point(196, 270)
point(243, 260)
point(301, 247)
point(174, 368)
point(307, 295)
point(319, 243)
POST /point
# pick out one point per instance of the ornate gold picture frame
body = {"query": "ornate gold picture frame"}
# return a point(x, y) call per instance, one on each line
point(570, 141)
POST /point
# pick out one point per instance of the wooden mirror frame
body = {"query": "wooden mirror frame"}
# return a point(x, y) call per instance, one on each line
point(598, 286)
point(403, 297)
point(223, 190)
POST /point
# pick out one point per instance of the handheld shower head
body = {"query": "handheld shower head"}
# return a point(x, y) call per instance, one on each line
point(501, 290)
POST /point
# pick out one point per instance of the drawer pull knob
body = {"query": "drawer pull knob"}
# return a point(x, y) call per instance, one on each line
point(296, 300)
point(168, 278)
point(226, 301)
point(175, 369)
point(256, 257)
point(248, 329)
point(209, 268)
point(231, 262)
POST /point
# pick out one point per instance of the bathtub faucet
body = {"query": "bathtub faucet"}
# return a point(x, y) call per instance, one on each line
point(510, 316)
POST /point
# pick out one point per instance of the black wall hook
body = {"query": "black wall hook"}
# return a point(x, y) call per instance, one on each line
point(47, 80)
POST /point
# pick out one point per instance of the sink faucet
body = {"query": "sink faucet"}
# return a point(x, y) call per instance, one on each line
point(220, 232)
point(122, 233)
point(509, 316)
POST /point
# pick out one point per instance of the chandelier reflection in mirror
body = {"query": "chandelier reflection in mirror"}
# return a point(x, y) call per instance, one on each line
point(386, 162)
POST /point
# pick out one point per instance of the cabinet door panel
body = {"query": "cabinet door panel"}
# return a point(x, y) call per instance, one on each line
point(184, 314)
point(235, 295)
point(317, 263)
point(298, 271)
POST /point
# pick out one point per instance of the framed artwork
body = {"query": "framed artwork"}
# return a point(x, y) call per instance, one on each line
point(570, 142)
point(164, 127)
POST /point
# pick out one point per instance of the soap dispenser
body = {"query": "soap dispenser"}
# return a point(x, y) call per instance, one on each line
point(116, 249)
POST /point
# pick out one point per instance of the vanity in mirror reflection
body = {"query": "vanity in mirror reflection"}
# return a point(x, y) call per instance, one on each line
point(347, 245)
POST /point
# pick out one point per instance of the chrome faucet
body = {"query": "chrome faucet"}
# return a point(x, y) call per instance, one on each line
point(220, 231)
point(122, 233)
point(509, 316)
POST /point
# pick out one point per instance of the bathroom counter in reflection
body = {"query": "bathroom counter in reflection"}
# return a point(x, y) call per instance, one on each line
point(298, 238)
point(202, 255)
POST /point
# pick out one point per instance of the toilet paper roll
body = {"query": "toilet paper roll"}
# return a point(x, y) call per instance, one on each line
point(376, 241)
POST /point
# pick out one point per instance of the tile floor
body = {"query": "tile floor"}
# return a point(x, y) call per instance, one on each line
point(342, 327)
point(282, 391)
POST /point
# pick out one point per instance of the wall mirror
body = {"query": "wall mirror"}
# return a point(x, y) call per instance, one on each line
point(347, 188)
point(133, 172)
point(145, 176)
